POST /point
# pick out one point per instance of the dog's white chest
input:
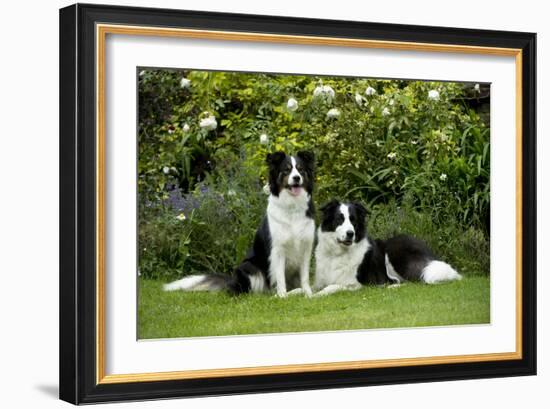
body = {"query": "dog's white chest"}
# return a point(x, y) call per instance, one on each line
point(335, 264)
point(292, 231)
point(290, 228)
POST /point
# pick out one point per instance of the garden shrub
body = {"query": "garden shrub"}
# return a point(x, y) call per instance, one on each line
point(413, 152)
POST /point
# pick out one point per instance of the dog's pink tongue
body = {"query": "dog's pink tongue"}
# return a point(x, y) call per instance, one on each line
point(295, 190)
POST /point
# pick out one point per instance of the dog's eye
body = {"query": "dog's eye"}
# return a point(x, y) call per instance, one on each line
point(299, 168)
point(352, 218)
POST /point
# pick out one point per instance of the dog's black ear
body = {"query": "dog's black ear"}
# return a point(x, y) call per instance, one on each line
point(328, 215)
point(275, 159)
point(361, 223)
point(307, 156)
point(360, 209)
point(329, 207)
point(308, 160)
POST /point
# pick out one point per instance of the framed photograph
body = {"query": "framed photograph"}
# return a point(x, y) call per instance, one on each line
point(257, 203)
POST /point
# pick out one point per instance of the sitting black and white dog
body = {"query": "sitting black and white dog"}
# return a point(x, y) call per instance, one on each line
point(346, 258)
point(280, 255)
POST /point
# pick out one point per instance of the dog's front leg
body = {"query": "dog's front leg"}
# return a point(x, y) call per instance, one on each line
point(304, 270)
point(334, 288)
point(277, 271)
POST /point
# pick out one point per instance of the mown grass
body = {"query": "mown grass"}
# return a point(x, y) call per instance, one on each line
point(179, 314)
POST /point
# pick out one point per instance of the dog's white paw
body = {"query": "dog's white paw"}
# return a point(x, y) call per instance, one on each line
point(281, 294)
point(307, 291)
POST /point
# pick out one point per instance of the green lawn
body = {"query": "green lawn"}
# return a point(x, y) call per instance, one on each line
point(179, 314)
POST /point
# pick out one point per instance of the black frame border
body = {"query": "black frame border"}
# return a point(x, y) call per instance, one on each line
point(77, 316)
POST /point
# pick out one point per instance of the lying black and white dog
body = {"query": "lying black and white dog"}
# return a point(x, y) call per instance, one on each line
point(346, 258)
point(281, 251)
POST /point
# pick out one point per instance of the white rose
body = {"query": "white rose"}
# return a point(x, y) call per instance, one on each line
point(185, 128)
point(333, 113)
point(231, 192)
point(370, 91)
point(166, 170)
point(358, 99)
point(385, 112)
point(324, 91)
point(264, 139)
point(328, 91)
point(443, 177)
point(209, 123)
point(292, 104)
point(392, 155)
point(317, 91)
point(181, 217)
point(185, 83)
point(433, 94)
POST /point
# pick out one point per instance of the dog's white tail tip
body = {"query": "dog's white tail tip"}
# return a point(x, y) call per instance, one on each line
point(170, 286)
point(186, 283)
point(437, 271)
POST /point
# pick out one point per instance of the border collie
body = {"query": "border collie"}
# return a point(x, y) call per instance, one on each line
point(346, 258)
point(281, 252)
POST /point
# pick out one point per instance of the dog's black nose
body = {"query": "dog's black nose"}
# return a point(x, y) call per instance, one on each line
point(296, 178)
point(349, 234)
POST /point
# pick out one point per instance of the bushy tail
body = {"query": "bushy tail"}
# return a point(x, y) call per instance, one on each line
point(438, 271)
point(201, 282)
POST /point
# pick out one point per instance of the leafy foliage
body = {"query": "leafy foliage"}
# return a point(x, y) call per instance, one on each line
point(392, 144)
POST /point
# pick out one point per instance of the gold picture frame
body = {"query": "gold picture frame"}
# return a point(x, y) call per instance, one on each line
point(96, 24)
